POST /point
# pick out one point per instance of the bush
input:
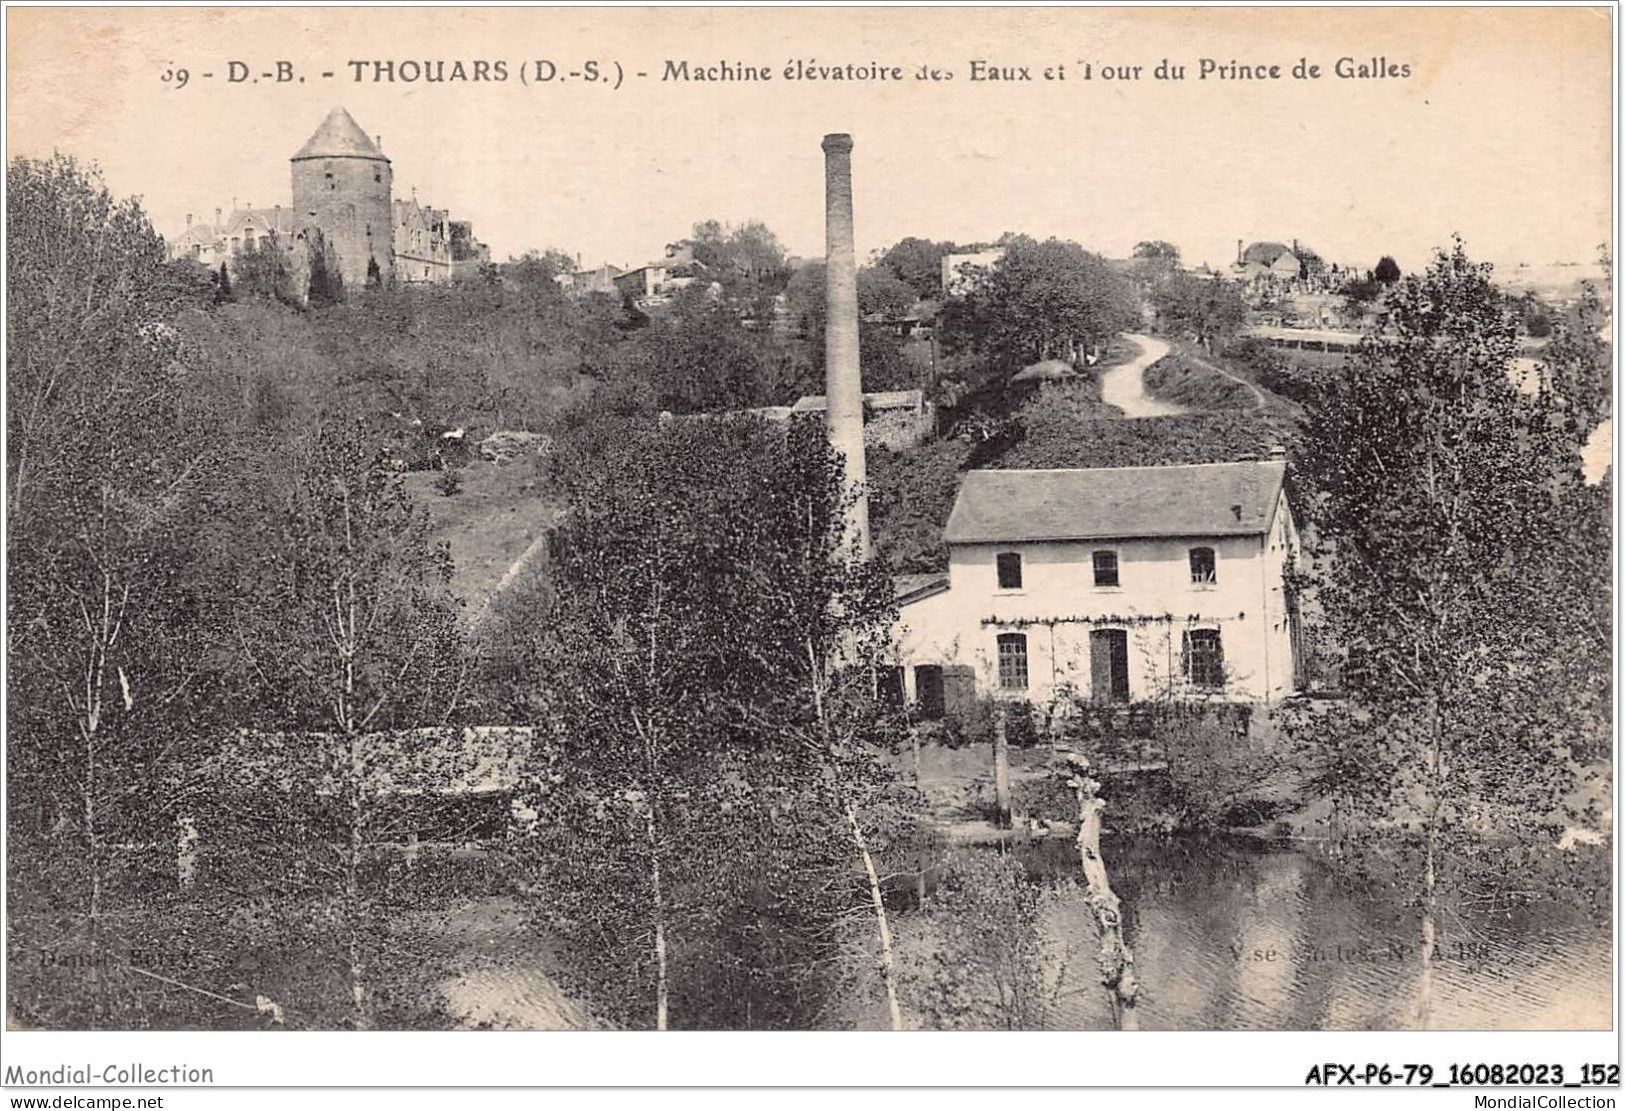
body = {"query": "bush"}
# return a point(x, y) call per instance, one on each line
point(1152, 441)
point(910, 496)
point(1299, 376)
point(983, 969)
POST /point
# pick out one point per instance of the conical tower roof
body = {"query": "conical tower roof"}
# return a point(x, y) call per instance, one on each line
point(339, 137)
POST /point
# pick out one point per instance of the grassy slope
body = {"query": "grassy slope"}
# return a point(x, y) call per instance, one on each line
point(489, 523)
point(1183, 381)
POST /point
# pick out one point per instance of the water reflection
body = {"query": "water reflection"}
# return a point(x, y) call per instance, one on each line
point(1231, 937)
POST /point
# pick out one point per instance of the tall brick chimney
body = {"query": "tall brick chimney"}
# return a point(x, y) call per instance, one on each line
point(843, 376)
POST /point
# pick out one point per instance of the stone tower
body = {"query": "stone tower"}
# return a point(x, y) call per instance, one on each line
point(342, 186)
point(843, 376)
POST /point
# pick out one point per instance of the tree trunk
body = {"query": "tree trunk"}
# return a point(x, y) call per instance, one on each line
point(1430, 874)
point(919, 789)
point(186, 838)
point(1001, 769)
point(1424, 985)
point(1116, 960)
point(882, 927)
point(662, 999)
point(352, 897)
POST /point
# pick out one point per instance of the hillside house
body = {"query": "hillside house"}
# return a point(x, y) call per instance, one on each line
point(1116, 584)
point(1259, 261)
point(579, 283)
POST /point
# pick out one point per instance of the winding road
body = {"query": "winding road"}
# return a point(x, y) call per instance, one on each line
point(1124, 386)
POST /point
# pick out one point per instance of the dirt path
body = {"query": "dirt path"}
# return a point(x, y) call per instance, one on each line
point(515, 569)
point(506, 981)
point(1124, 386)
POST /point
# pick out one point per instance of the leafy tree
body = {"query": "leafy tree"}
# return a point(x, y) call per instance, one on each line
point(263, 271)
point(985, 967)
point(222, 286)
point(918, 264)
point(910, 496)
point(326, 283)
point(1358, 293)
point(1208, 310)
point(1577, 364)
point(885, 366)
point(534, 271)
point(1309, 259)
point(1437, 488)
point(709, 802)
point(108, 625)
point(699, 357)
point(375, 276)
point(1157, 250)
point(347, 641)
point(746, 259)
point(1387, 272)
point(1040, 301)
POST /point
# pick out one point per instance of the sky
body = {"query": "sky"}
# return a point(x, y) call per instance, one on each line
point(1502, 131)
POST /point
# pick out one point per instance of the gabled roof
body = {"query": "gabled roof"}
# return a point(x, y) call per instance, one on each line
point(278, 219)
point(1266, 252)
point(339, 136)
point(1210, 499)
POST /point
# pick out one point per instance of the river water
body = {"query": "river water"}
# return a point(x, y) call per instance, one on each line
point(1227, 935)
point(1233, 936)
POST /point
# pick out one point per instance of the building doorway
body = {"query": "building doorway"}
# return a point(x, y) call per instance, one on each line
point(1108, 665)
point(930, 691)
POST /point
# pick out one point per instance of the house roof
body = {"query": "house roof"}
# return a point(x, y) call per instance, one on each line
point(1209, 499)
point(912, 588)
point(1045, 370)
point(270, 219)
point(1266, 252)
point(882, 399)
point(339, 136)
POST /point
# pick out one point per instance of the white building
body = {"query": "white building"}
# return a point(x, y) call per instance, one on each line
point(1115, 584)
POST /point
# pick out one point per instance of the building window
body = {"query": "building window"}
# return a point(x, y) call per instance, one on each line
point(1106, 569)
point(1013, 661)
point(1203, 658)
point(1009, 570)
point(379, 178)
point(1203, 568)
